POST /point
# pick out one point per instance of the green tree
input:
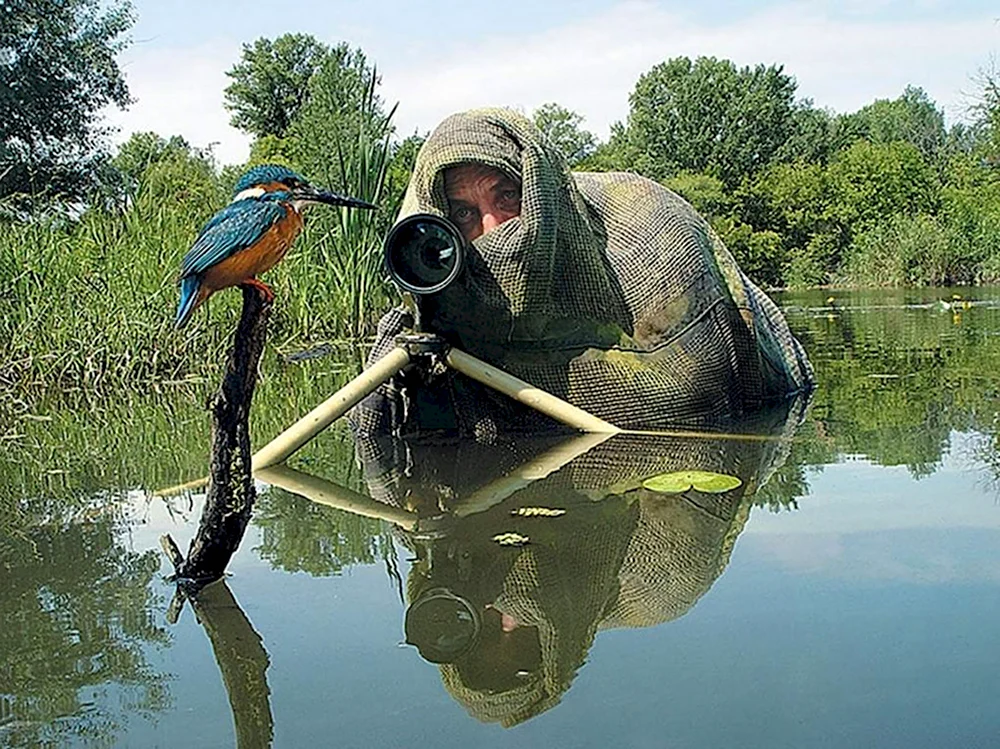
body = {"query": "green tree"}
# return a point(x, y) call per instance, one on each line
point(341, 103)
point(404, 156)
point(613, 155)
point(811, 138)
point(986, 113)
point(912, 118)
point(144, 149)
point(271, 82)
point(708, 116)
point(706, 193)
point(562, 127)
point(797, 197)
point(793, 200)
point(271, 149)
point(185, 182)
point(760, 253)
point(168, 166)
point(57, 72)
point(872, 181)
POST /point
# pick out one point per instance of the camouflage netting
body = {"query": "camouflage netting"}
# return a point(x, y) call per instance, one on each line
point(620, 556)
point(608, 290)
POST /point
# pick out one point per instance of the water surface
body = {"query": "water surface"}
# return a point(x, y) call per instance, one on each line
point(844, 594)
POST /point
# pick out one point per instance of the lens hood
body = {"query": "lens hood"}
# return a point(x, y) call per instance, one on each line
point(424, 253)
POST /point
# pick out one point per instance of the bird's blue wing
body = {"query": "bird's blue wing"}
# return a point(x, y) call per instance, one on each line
point(234, 228)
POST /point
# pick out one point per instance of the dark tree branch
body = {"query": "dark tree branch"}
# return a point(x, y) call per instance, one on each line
point(230, 498)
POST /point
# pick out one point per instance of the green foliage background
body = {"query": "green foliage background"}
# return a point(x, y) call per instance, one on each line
point(884, 196)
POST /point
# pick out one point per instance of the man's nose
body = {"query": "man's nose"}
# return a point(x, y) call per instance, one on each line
point(491, 220)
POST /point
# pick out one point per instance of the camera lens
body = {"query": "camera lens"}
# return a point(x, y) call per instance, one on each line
point(424, 253)
point(442, 625)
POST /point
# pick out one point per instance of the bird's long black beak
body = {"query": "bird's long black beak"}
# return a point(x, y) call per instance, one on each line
point(313, 195)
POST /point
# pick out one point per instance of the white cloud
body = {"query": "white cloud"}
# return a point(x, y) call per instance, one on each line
point(179, 92)
point(591, 65)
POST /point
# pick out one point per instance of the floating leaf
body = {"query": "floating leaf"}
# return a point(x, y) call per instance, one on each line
point(511, 539)
point(538, 512)
point(681, 481)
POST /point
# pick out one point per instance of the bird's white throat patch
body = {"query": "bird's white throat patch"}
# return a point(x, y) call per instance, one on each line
point(250, 192)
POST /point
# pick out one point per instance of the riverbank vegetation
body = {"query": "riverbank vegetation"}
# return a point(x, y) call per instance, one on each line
point(91, 238)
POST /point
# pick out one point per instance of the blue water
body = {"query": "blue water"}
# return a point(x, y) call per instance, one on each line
point(858, 604)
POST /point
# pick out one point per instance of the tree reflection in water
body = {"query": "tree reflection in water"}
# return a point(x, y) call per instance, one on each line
point(76, 616)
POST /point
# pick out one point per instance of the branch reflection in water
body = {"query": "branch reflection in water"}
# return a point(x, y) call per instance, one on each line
point(242, 661)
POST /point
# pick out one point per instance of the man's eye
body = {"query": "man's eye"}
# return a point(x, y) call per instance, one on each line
point(511, 196)
point(461, 215)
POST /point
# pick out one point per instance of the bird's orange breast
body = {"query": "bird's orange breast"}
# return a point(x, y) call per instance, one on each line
point(259, 257)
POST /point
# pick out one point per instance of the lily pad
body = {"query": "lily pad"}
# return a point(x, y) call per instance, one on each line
point(681, 481)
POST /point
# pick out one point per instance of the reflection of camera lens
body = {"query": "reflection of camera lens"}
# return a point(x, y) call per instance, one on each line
point(442, 625)
point(424, 253)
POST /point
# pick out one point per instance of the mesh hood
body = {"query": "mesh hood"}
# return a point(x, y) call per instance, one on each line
point(539, 277)
point(608, 290)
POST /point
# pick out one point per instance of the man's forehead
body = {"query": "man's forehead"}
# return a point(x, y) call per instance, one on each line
point(461, 175)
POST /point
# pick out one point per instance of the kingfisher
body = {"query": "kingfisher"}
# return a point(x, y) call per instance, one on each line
point(250, 235)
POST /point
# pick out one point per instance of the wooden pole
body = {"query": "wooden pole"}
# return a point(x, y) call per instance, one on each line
point(314, 422)
point(327, 493)
point(535, 469)
point(298, 434)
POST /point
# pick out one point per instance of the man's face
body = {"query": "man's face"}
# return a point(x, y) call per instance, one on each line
point(480, 198)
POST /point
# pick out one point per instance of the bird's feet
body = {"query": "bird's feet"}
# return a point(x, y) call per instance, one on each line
point(262, 288)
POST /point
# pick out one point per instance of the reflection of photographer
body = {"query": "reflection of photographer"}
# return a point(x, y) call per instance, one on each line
point(508, 601)
point(537, 606)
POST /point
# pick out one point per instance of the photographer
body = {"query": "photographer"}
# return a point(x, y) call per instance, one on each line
point(606, 290)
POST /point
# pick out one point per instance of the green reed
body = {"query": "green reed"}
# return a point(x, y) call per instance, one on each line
point(337, 269)
point(89, 303)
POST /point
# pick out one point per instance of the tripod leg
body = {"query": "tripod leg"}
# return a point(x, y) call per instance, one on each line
point(314, 422)
point(527, 393)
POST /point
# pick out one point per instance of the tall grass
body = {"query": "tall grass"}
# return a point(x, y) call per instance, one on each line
point(358, 267)
point(89, 304)
point(914, 251)
point(336, 281)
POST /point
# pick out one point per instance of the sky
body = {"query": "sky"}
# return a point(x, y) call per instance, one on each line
point(436, 58)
